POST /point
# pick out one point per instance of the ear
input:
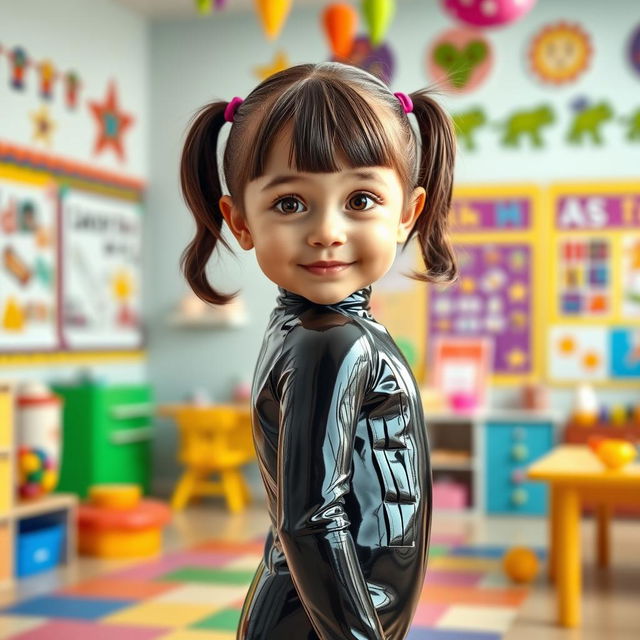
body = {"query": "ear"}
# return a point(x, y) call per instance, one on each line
point(409, 216)
point(236, 222)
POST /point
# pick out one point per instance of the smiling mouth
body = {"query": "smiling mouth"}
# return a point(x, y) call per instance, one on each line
point(326, 268)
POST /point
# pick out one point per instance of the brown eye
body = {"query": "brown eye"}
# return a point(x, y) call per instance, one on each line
point(359, 202)
point(288, 205)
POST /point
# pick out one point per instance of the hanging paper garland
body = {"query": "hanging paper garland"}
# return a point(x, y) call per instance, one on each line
point(48, 75)
point(273, 14)
point(487, 13)
point(203, 7)
point(112, 123)
point(378, 15)
point(340, 25)
point(560, 52)
point(378, 61)
point(19, 63)
point(460, 59)
point(634, 50)
point(71, 88)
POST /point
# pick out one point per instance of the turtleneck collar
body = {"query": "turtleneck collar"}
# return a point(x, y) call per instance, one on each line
point(355, 304)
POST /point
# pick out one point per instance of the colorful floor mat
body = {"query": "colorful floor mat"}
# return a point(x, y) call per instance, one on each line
point(197, 595)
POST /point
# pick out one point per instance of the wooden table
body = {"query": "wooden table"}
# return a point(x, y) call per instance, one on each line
point(575, 474)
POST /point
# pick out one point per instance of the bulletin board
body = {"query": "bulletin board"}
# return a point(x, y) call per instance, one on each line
point(594, 298)
point(70, 276)
point(496, 232)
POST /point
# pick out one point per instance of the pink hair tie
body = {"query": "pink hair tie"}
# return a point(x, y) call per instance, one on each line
point(405, 101)
point(230, 109)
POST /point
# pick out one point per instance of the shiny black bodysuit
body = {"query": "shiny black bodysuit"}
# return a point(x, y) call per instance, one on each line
point(343, 453)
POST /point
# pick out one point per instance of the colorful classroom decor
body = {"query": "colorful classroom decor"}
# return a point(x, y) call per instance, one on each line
point(101, 245)
point(280, 62)
point(377, 60)
point(460, 59)
point(526, 124)
point(378, 15)
point(273, 14)
point(487, 13)
point(588, 120)
point(466, 123)
point(112, 123)
point(29, 228)
point(560, 52)
point(634, 50)
point(496, 235)
point(340, 22)
point(594, 310)
point(462, 368)
point(70, 245)
point(43, 125)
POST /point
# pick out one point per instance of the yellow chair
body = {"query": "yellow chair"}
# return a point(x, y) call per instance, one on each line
point(214, 440)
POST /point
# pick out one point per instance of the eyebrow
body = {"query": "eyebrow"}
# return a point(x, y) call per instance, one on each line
point(278, 180)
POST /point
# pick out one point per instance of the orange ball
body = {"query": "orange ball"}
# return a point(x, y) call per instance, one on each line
point(520, 564)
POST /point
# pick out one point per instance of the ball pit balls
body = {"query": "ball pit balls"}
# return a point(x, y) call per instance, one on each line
point(520, 564)
point(37, 473)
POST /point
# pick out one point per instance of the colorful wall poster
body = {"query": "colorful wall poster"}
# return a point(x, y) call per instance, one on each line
point(101, 247)
point(29, 267)
point(494, 231)
point(70, 268)
point(595, 282)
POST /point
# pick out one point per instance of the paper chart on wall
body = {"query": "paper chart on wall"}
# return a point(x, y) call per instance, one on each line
point(28, 273)
point(631, 277)
point(101, 268)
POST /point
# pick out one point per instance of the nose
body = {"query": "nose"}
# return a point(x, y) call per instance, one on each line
point(327, 230)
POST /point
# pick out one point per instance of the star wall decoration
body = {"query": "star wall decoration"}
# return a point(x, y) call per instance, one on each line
point(44, 126)
point(280, 62)
point(112, 123)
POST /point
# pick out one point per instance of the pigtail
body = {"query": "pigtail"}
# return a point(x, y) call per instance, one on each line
point(201, 188)
point(437, 155)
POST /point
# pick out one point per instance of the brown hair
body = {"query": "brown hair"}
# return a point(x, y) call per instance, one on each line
point(335, 111)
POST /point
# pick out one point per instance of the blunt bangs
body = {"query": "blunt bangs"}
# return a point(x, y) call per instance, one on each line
point(331, 123)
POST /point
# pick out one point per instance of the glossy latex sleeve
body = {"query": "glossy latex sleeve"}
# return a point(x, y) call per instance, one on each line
point(320, 382)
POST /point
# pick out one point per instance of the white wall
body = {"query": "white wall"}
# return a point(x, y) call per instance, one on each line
point(101, 41)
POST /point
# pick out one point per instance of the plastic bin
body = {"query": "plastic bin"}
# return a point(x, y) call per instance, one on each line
point(39, 545)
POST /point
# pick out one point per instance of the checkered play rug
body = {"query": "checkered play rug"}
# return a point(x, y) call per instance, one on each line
point(197, 595)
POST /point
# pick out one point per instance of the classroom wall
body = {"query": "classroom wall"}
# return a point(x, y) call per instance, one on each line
point(101, 40)
point(197, 60)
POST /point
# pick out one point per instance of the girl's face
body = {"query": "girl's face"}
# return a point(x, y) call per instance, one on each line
point(323, 235)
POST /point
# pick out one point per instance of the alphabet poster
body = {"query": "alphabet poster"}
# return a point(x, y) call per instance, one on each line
point(594, 315)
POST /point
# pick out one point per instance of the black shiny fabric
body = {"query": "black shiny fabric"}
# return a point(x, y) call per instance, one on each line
point(343, 453)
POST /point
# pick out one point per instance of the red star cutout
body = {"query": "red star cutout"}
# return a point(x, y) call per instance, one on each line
point(112, 123)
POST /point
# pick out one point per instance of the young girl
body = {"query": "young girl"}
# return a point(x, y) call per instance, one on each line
point(325, 177)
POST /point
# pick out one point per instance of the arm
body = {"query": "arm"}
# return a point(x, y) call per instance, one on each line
point(321, 383)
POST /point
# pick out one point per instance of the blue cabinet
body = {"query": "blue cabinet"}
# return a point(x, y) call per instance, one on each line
point(510, 447)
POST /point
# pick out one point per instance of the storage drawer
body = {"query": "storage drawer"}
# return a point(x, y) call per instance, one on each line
point(510, 448)
point(39, 545)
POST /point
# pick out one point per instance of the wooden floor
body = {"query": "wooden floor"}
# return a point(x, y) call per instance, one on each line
point(611, 601)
